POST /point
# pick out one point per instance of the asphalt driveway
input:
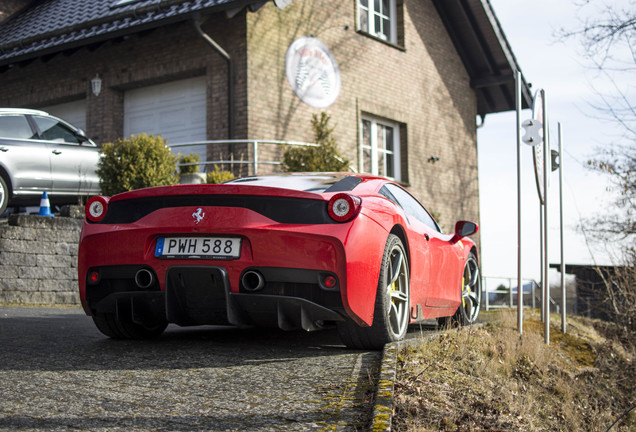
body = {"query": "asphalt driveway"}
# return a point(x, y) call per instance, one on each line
point(57, 372)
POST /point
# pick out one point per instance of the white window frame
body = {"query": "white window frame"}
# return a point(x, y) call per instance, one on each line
point(371, 13)
point(379, 152)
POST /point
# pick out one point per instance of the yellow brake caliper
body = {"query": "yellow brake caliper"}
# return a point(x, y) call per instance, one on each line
point(393, 289)
point(466, 290)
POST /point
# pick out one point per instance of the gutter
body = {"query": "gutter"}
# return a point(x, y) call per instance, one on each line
point(196, 22)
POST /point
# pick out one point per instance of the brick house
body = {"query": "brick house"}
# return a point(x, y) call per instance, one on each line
point(414, 76)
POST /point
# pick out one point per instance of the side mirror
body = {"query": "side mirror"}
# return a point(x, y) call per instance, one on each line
point(465, 229)
point(82, 137)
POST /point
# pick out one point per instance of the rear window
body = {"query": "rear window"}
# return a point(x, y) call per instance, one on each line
point(16, 127)
point(318, 183)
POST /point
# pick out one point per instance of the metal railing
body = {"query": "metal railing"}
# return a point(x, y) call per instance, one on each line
point(507, 297)
point(253, 161)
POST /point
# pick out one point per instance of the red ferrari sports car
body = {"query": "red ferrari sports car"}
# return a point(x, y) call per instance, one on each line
point(289, 251)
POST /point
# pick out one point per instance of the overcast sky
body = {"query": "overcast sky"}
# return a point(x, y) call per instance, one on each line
point(569, 82)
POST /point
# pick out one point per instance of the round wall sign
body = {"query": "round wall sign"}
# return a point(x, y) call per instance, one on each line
point(543, 146)
point(312, 72)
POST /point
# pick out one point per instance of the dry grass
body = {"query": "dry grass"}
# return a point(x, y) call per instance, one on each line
point(490, 378)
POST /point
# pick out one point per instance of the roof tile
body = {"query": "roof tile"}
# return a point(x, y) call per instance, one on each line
point(53, 24)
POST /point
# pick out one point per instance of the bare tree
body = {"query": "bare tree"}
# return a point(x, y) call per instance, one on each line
point(619, 163)
point(605, 29)
point(607, 34)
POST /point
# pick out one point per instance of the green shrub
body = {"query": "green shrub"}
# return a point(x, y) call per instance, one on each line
point(134, 163)
point(219, 176)
point(187, 159)
point(324, 158)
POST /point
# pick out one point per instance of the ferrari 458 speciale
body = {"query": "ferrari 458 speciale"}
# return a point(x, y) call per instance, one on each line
point(293, 251)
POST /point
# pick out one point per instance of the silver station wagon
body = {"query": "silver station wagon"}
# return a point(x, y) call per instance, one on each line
point(39, 152)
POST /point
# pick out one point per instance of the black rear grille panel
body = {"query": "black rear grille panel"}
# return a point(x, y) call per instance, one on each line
point(311, 292)
point(279, 209)
point(114, 279)
point(301, 283)
point(196, 295)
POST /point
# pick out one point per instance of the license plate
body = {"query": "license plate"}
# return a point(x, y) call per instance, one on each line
point(198, 247)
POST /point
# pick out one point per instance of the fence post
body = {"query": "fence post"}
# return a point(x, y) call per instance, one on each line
point(510, 291)
point(486, 292)
point(255, 146)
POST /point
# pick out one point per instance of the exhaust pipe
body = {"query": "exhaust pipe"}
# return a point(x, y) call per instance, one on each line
point(253, 281)
point(144, 278)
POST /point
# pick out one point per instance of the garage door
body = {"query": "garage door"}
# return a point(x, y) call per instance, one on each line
point(175, 110)
point(72, 112)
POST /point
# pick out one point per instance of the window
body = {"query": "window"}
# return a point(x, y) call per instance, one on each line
point(410, 205)
point(380, 148)
point(15, 126)
point(378, 18)
point(317, 183)
point(52, 130)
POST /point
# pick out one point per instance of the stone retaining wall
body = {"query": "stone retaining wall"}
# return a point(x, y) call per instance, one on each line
point(38, 260)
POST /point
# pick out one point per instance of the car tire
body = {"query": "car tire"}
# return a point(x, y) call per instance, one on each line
point(116, 328)
point(391, 314)
point(4, 195)
point(468, 310)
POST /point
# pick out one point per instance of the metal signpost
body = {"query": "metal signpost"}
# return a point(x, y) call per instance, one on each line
point(546, 183)
point(537, 135)
point(519, 274)
point(563, 291)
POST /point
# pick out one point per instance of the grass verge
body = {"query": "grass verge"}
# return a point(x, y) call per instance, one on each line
point(490, 378)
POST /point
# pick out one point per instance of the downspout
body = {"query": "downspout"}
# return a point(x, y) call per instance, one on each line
point(196, 21)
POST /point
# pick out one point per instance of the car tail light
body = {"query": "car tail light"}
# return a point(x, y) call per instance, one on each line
point(96, 208)
point(93, 277)
point(329, 282)
point(343, 207)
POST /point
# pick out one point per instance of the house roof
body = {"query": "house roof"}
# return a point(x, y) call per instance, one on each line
point(486, 53)
point(48, 27)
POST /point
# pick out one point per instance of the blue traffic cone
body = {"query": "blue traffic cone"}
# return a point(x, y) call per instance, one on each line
point(45, 206)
